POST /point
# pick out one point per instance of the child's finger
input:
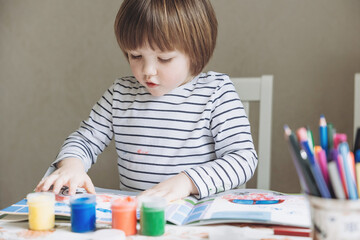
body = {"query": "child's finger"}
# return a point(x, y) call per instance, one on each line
point(154, 192)
point(39, 186)
point(48, 182)
point(73, 185)
point(148, 192)
point(89, 186)
point(58, 184)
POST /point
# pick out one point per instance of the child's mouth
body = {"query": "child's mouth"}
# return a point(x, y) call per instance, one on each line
point(151, 85)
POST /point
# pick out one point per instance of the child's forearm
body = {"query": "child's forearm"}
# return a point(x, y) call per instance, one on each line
point(72, 162)
point(190, 183)
point(230, 171)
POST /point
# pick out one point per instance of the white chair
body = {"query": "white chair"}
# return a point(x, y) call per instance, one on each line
point(259, 90)
point(356, 102)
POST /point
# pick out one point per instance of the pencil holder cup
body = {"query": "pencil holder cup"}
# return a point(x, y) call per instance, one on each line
point(41, 210)
point(152, 216)
point(335, 218)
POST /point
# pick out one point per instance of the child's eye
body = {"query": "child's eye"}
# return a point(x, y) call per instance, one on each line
point(165, 60)
point(135, 57)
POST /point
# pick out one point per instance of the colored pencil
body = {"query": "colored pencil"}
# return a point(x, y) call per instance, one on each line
point(339, 138)
point(357, 140)
point(330, 130)
point(335, 176)
point(323, 133)
point(319, 178)
point(292, 231)
point(310, 138)
point(320, 157)
point(253, 202)
point(353, 171)
point(307, 181)
point(350, 180)
point(340, 165)
point(357, 167)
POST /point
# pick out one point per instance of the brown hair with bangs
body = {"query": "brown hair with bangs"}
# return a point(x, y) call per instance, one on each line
point(189, 26)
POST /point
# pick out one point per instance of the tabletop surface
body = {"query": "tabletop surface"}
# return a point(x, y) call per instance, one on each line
point(62, 230)
point(16, 227)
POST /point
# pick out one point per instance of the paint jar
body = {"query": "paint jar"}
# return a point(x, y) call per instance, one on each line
point(41, 210)
point(124, 215)
point(152, 216)
point(83, 216)
point(335, 218)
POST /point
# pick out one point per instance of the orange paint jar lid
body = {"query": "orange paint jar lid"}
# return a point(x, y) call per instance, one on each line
point(124, 204)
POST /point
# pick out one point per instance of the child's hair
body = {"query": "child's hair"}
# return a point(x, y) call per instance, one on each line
point(189, 26)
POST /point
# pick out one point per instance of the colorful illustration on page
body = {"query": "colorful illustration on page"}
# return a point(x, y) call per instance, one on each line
point(252, 198)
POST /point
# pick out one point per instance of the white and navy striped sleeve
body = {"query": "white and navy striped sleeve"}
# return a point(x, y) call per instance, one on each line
point(236, 157)
point(93, 135)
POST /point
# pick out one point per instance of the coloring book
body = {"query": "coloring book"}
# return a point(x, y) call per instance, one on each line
point(242, 205)
point(237, 205)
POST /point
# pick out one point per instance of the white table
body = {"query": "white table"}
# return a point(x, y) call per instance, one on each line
point(62, 230)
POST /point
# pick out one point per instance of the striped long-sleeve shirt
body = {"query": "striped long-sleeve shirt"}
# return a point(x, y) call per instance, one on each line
point(199, 128)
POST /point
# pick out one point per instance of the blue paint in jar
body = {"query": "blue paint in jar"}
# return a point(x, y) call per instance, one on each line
point(83, 216)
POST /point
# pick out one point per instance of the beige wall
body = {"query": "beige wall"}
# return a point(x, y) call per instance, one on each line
point(58, 57)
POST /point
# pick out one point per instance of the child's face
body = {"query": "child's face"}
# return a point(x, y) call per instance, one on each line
point(160, 72)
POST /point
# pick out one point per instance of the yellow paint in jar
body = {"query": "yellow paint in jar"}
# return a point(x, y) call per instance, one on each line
point(41, 210)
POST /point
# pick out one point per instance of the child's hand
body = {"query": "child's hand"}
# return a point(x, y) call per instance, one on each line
point(172, 189)
point(70, 173)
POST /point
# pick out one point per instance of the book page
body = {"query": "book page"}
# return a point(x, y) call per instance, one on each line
point(187, 210)
point(253, 205)
point(62, 207)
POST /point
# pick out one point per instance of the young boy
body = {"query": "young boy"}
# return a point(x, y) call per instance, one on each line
point(177, 131)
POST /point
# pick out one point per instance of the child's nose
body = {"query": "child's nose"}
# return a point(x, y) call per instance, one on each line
point(149, 68)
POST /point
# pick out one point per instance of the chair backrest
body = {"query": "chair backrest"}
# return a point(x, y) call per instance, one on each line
point(259, 90)
point(356, 102)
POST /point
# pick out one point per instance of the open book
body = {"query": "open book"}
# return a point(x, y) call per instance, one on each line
point(242, 205)
point(237, 205)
